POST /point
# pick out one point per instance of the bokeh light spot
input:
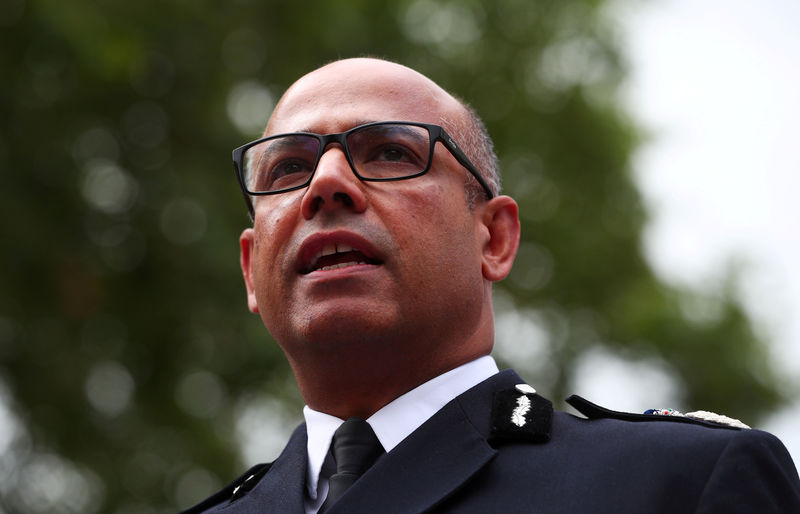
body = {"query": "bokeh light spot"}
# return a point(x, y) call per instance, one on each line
point(262, 427)
point(48, 483)
point(193, 486)
point(107, 187)
point(95, 142)
point(249, 104)
point(441, 23)
point(109, 388)
point(200, 394)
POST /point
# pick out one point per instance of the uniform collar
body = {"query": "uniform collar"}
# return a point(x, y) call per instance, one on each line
point(396, 420)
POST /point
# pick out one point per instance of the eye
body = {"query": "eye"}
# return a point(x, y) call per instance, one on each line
point(393, 153)
point(388, 150)
point(288, 168)
point(282, 162)
point(288, 172)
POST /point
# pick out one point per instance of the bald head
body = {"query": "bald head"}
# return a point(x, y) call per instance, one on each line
point(350, 92)
point(377, 81)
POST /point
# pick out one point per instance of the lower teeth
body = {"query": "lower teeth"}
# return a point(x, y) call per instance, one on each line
point(340, 265)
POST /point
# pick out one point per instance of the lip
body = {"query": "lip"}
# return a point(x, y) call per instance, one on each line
point(315, 243)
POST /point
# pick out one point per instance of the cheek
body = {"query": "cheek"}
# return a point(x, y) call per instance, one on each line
point(272, 233)
point(273, 224)
point(269, 220)
point(440, 229)
point(434, 201)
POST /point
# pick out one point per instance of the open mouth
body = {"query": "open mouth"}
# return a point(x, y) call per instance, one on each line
point(336, 255)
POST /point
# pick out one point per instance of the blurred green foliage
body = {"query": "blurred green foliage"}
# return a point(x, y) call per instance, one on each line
point(132, 374)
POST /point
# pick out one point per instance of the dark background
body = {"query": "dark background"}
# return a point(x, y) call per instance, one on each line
point(133, 378)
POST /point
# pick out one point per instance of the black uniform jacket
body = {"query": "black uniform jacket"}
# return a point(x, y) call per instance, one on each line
point(461, 461)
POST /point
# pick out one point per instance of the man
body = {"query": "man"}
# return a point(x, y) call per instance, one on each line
point(371, 261)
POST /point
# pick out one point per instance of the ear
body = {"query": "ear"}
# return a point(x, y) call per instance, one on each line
point(501, 218)
point(247, 245)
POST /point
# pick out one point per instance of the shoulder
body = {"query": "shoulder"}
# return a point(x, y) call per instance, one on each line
point(654, 437)
point(625, 462)
point(737, 468)
point(697, 437)
point(519, 414)
point(657, 443)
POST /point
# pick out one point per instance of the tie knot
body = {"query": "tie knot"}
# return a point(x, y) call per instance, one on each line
point(355, 447)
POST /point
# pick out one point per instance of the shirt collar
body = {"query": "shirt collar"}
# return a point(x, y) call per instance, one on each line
point(399, 418)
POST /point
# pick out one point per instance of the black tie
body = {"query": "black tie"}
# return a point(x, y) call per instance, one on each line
point(355, 449)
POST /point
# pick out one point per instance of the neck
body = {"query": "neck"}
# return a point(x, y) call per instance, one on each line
point(361, 392)
point(359, 388)
point(356, 377)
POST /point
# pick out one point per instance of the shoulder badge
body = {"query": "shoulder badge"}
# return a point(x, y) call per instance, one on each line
point(519, 414)
point(702, 415)
point(705, 418)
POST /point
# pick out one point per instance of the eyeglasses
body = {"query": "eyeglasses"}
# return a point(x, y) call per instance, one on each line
point(377, 152)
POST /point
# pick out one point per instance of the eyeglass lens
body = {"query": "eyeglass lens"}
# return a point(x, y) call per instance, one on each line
point(382, 151)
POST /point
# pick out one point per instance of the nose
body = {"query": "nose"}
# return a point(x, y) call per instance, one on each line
point(334, 186)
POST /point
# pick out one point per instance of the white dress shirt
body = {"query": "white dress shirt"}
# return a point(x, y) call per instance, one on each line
point(393, 423)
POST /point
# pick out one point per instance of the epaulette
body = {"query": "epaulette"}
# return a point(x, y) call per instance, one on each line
point(232, 491)
point(704, 418)
point(520, 415)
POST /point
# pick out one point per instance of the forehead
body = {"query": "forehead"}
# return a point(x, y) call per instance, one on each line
point(345, 94)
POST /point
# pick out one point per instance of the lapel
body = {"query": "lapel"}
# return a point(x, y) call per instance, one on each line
point(281, 490)
point(435, 460)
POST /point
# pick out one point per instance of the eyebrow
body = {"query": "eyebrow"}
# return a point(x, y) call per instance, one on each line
point(288, 143)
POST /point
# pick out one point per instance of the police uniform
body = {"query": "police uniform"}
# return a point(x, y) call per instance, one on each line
point(500, 448)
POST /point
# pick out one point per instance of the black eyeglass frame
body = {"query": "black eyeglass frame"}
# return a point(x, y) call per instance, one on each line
point(435, 132)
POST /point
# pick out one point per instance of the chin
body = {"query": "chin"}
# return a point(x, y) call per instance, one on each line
point(338, 330)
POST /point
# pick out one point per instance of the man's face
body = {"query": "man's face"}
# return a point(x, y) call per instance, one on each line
point(346, 262)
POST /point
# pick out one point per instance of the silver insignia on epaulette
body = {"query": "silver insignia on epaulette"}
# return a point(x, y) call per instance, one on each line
point(525, 388)
point(522, 408)
point(705, 415)
point(702, 415)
